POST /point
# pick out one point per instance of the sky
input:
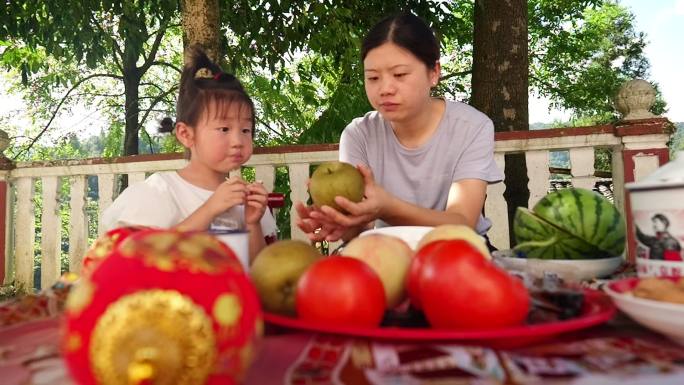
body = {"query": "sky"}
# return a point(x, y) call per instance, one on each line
point(661, 20)
point(663, 23)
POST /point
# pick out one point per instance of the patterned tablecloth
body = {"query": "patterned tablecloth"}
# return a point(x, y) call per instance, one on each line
point(619, 352)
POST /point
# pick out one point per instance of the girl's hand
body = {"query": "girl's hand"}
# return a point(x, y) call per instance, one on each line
point(230, 193)
point(256, 203)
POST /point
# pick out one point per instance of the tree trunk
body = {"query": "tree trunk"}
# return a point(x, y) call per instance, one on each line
point(132, 110)
point(132, 51)
point(201, 26)
point(500, 82)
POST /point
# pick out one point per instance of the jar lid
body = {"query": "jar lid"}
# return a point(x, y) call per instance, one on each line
point(670, 174)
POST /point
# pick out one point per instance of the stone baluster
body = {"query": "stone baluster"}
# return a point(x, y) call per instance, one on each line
point(5, 236)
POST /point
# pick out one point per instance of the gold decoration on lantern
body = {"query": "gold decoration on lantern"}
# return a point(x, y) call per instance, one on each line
point(153, 336)
point(102, 247)
point(73, 342)
point(227, 309)
point(246, 357)
point(165, 251)
point(80, 297)
point(204, 251)
point(161, 242)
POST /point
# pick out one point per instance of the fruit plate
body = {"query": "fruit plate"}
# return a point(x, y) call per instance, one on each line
point(664, 317)
point(572, 269)
point(597, 309)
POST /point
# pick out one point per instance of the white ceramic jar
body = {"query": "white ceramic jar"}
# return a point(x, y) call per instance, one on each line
point(236, 240)
point(658, 220)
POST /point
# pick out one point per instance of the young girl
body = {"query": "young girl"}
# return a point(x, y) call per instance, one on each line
point(426, 161)
point(215, 124)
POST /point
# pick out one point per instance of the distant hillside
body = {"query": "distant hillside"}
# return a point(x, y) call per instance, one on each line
point(541, 126)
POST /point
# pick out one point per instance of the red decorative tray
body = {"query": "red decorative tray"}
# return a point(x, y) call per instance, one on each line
point(597, 308)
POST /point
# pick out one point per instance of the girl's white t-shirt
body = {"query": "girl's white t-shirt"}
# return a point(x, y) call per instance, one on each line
point(165, 199)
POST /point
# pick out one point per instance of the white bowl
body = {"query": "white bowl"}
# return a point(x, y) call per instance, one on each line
point(664, 317)
point(571, 269)
point(410, 234)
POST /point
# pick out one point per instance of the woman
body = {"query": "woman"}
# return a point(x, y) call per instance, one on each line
point(425, 161)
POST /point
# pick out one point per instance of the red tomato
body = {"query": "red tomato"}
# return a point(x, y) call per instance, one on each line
point(460, 289)
point(414, 269)
point(341, 291)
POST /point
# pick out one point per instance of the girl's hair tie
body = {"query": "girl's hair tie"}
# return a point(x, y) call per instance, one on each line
point(204, 73)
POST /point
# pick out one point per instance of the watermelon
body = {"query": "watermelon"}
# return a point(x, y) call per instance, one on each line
point(537, 238)
point(569, 223)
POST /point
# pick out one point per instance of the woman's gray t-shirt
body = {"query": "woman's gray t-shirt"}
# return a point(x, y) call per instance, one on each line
point(462, 147)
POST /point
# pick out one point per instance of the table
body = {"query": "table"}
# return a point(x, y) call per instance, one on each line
point(619, 352)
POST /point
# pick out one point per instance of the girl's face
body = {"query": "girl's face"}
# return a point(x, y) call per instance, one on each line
point(222, 140)
point(397, 83)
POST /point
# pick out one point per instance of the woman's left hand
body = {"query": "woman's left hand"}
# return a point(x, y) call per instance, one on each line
point(256, 203)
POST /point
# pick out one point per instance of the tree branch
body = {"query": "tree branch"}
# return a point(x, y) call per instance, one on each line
point(98, 94)
point(54, 113)
point(455, 74)
point(155, 47)
point(163, 63)
point(546, 85)
point(154, 103)
point(117, 49)
point(157, 31)
point(149, 140)
point(280, 135)
point(152, 85)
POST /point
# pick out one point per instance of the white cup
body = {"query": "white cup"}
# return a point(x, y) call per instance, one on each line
point(658, 220)
point(237, 241)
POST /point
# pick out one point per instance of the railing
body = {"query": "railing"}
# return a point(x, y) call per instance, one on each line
point(637, 148)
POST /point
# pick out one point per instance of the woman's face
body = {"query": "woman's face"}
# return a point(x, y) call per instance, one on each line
point(397, 83)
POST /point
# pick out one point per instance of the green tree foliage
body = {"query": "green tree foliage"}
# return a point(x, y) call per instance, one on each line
point(299, 59)
point(101, 39)
point(677, 142)
point(581, 52)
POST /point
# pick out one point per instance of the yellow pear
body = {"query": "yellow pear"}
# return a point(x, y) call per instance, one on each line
point(276, 271)
point(335, 178)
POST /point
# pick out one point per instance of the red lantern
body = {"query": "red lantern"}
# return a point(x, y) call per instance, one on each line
point(104, 245)
point(166, 307)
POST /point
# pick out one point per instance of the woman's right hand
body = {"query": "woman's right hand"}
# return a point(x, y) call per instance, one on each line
point(315, 225)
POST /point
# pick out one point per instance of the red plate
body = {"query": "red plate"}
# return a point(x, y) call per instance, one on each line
point(598, 308)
